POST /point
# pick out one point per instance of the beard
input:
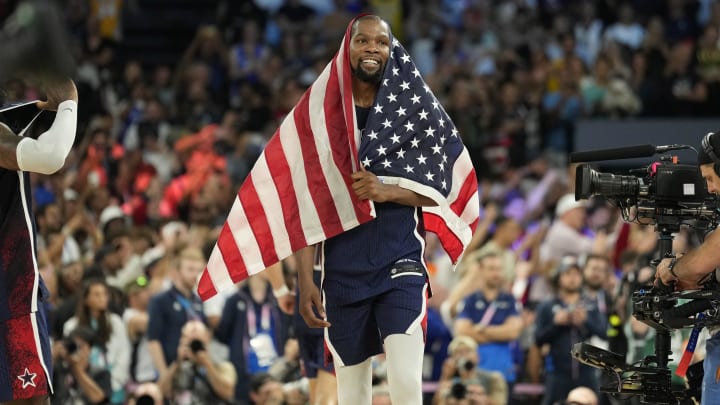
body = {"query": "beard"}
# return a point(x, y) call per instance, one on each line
point(571, 289)
point(372, 78)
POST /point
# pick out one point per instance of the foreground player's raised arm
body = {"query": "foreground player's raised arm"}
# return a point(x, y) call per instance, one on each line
point(47, 154)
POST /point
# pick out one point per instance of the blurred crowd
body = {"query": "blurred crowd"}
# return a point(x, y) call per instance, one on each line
point(125, 228)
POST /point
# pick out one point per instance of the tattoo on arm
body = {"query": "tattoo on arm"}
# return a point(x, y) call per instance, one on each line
point(8, 148)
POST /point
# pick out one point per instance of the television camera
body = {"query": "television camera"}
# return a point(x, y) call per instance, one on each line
point(669, 196)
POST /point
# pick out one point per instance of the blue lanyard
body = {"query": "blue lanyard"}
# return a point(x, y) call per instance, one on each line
point(189, 311)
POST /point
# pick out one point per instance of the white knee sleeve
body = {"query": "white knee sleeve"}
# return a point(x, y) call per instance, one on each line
point(403, 359)
point(354, 383)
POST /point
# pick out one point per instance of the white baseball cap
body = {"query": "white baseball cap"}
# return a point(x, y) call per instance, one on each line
point(110, 213)
point(567, 203)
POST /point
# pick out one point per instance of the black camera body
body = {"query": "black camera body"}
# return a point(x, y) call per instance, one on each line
point(667, 195)
point(70, 345)
point(196, 346)
point(145, 400)
point(458, 390)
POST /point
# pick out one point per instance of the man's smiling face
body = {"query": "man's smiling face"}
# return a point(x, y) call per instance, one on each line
point(369, 49)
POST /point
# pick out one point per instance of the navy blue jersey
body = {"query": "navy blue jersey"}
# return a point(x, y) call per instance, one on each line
point(361, 115)
point(374, 280)
point(19, 276)
point(356, 263)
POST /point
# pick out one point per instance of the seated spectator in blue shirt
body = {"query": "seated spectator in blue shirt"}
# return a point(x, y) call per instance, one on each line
point(492, 317)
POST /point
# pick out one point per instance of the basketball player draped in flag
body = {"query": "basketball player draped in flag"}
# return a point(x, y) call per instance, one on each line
point(374, 278)
point(25, 367)
point(365, 163)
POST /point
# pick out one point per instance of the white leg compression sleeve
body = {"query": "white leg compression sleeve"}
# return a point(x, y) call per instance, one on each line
point(47, 154)
point(403, 359)
point(354, 383)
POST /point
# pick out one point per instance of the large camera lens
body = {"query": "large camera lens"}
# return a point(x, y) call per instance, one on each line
point(458, 390)
point(589, 182)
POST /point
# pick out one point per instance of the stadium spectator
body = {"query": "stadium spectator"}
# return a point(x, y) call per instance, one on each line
point(110, 345)
point(170, 310)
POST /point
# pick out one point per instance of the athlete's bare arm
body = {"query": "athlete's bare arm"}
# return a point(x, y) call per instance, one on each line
point(309, 293)
point(367, 186)
point(8, 148)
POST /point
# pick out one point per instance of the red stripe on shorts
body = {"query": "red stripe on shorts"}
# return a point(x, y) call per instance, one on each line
point(24, 364)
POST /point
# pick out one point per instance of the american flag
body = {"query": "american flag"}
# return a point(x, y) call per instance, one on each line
point(299, 192)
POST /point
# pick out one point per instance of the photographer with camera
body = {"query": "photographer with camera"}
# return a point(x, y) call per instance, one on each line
point(460, 370)
point(78, 380)
point(147, 394)
point(687, 271)
point(194, 378)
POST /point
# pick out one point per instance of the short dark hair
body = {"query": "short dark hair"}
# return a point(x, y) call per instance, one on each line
point(353, 29)
point(502, 220)
point(488, 255)
point(595, 256)
point(705, 158)
point(567, 263)
point(84, 333)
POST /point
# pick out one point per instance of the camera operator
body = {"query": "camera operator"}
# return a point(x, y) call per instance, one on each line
point(77, 381)
point(690, 269)
point(194, 378)
point(461, 368)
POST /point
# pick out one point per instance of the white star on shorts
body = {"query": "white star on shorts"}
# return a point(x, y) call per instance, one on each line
point(27, 379)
